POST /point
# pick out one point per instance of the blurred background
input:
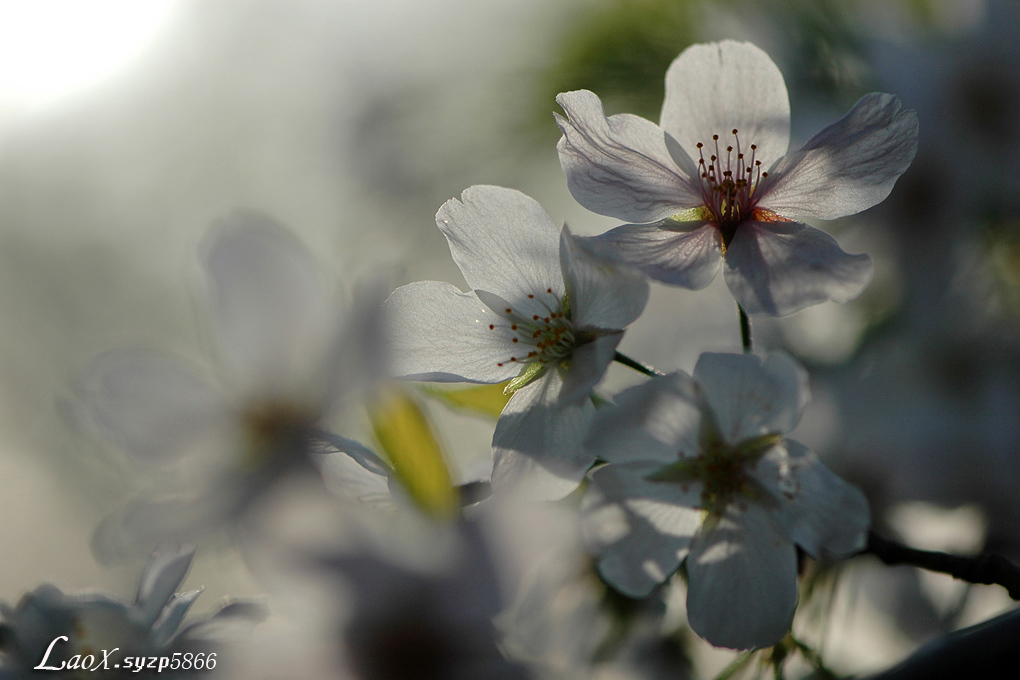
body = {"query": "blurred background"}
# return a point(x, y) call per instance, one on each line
point(126, 128)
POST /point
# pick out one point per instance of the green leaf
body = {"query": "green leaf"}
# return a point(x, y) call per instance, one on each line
point(487, 400)
point(405, 436)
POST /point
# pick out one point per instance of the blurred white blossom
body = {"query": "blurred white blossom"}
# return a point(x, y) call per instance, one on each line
point(95, 627)
point(290, 358)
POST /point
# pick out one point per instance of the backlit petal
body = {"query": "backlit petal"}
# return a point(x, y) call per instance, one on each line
point(823, 514)
point(602, 294)
point(742, 580)
point(712, 89)
point(268, 298)
point(152, 405)
point(658, 420)
point(436, 332)
point(778, 268)
point(504, 243)
point(750, 396)
point(847, 167)
point(588, 363)
point(537, 446)
point(685, 254)
point(620, 166)
point(639, 530)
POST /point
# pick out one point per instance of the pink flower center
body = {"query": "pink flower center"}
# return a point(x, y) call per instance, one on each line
point(730, 185)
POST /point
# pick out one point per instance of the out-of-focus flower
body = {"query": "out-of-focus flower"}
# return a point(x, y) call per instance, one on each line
point(566, 624)
point(101, 631)
point(382, 608)
point(737, 204)
point(290, 359)
point(699, 471)
point(545, 313)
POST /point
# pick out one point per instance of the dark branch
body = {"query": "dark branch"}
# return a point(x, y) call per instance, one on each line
point(983, 569)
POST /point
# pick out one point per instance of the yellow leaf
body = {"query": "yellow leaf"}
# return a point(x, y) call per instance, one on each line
point(406, 438)
point(487, 400)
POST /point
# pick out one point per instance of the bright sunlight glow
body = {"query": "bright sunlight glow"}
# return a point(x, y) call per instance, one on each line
point(50, 48)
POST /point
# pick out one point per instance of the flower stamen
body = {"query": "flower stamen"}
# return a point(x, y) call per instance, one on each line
point(730, 185)
point(550, 338)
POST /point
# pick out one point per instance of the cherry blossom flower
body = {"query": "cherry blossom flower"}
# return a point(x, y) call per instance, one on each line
point(290, 358)
point(699, 471)
point(545, 313)
point(715, 183)
point(90, 630)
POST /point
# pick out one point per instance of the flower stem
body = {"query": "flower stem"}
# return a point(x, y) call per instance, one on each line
point(983, 569)
point(745, 330)
point(636, 365)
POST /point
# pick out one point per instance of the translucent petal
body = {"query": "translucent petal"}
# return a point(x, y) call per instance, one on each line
point(602, 294)
point(847, 167)
point(685, 254)
point(778, 268)
point(742, 580)
point(163, 575)
point(504, 243)
point(537, 446)
point(620, 166)
point(751, 397)
point(823, 514)
point(712, 89)
point(152, 405)
point(436, 332)
point(588, 364)
point(640, 530)
point(268, 298)
point(658, 420)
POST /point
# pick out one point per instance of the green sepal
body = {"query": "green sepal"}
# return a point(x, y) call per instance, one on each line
point(529, 375)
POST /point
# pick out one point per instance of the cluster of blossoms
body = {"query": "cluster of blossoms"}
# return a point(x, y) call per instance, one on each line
point(691, 470)
point(696, 470)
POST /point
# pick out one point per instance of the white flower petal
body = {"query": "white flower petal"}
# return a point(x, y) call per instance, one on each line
point(537, 446)
point(435, 332)
point(640, 530)
point(163, 574)
point(685, 254)
point(620, 166)
point(602, 294)
point(712, 89)
point(588, 363)
point(150, 404)
point(847, 167)
point(504, 243)
point(355, 450)
point(354, 354)
point(826, 516)
point(778, 268)
point(750, 397)
point(742, 580)
point(268, 299)
point(658, 421)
